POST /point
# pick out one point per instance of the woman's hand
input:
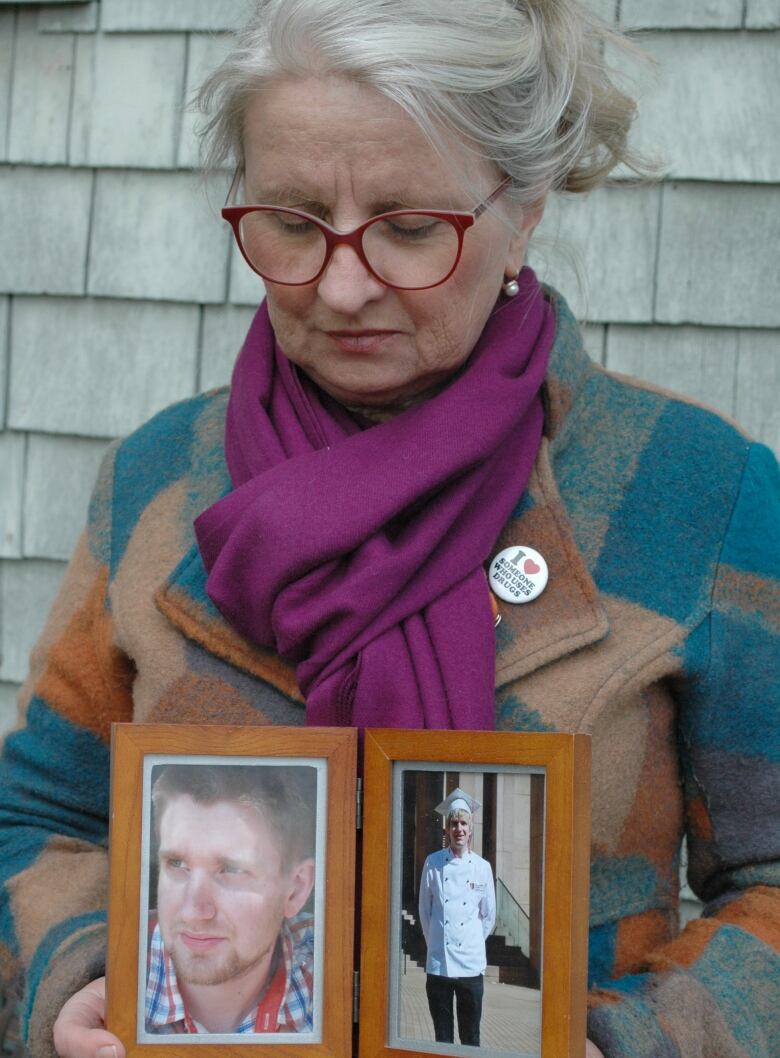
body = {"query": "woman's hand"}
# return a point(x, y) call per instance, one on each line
point(592, 1051)
point(80, 1030)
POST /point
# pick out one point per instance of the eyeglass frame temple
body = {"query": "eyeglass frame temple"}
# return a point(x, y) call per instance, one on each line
point(480, 209)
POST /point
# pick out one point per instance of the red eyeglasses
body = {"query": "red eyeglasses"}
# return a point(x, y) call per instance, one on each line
point(406, 249)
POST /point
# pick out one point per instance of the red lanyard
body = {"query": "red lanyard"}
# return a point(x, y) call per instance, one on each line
point(268, 1008)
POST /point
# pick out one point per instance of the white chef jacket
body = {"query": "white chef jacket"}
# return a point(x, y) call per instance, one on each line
point(457, 912)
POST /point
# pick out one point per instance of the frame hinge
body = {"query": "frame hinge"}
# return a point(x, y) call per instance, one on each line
point(355, 996)
point(359, 805)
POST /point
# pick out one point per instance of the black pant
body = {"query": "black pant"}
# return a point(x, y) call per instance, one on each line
point(468, 1003)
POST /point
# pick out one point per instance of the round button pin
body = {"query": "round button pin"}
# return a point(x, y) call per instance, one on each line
point(518, 574)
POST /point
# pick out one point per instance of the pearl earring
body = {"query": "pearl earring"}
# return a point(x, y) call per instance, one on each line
point(511, 287)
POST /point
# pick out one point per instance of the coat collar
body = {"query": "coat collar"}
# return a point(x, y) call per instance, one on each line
point(568, 615)
point(565, 617)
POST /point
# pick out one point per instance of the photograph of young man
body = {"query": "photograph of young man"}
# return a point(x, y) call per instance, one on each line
point(457, 913)
point(231, 945)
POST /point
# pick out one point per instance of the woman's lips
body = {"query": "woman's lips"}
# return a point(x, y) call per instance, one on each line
point(368, 341)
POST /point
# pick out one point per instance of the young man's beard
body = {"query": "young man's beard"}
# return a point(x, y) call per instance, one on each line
point(204, 970)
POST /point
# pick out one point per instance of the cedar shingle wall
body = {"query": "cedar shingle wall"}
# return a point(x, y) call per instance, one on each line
point(681, 281)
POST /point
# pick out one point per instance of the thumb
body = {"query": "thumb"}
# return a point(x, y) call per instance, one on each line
point(80, 1032)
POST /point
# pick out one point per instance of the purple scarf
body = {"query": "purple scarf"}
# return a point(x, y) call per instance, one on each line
point(357, 553)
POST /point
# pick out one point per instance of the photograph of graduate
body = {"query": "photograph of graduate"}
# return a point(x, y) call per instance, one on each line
point(457, 913)
point(230, 924)
point(469, 967)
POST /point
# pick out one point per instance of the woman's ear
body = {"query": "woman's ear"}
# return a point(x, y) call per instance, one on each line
point(301, 884)
point(526, 223)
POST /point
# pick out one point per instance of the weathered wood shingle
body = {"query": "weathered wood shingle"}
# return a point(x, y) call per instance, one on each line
point(224, 330)
point(61, 473)
point(157, 235)
point(595, 338)
point(246, 287)
point(96, 367)
point(40, 94)
point(6, 73)
point(11, 484)
point(718, 255)
point(757, 404)
point(63, 18)
point(698, 361)
point(609, 242)
point(711, 111)
point(150, 15)
point(43, 237)
point(606, 9)
point(127, 100)
point(763, 14)
point(7, 705)
point(205, 52)
point(681, 14)
point(27, 590)
point(3, 357)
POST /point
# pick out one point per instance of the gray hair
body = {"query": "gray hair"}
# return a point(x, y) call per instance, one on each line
point(522, 83)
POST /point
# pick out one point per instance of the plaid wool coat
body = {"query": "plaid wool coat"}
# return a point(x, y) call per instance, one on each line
point(657, 635)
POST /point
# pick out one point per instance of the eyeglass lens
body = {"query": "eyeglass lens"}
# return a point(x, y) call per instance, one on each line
point(408, 250)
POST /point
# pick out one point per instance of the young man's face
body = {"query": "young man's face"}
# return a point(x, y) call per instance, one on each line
point(223, 890)
point(460, 831)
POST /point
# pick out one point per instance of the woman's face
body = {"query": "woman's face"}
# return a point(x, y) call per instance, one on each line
point(344, 152)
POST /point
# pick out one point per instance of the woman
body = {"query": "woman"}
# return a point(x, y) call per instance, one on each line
point(408, 403)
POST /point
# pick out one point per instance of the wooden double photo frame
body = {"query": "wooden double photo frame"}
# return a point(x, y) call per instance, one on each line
point(266, 899)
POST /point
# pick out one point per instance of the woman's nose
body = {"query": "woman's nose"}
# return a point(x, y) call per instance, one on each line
point(346, 285)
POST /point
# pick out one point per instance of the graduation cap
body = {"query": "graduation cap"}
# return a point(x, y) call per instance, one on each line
point(458, 801)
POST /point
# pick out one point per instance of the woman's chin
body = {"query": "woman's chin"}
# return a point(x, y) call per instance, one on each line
point(369, 393)
point(380, 392)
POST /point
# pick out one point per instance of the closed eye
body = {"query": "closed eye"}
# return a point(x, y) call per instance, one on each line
point(409, 227)
point(290, 223)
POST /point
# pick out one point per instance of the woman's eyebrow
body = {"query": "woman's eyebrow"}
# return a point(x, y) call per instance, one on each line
point(401, 199)
point(295, 198)
point(280, 196)
point(388, 205)
point(421, 198)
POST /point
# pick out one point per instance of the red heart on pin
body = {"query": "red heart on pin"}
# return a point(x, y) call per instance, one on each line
point(530, 566)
